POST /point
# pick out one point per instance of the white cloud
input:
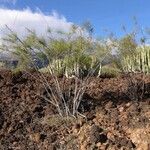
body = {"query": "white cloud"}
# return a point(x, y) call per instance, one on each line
point(19, 20)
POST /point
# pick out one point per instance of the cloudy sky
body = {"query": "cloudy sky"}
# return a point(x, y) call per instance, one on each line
point(19, 20)
point(105, 15)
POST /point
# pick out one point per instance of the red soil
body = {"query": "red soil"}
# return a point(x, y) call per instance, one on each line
point(117, 111)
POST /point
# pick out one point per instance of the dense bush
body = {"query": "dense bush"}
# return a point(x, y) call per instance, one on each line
point(133, 57)
point(78, 52)
point(74, 53)
point(109, 72)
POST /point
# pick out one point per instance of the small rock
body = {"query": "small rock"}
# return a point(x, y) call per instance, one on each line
point(110, 135)
point(35, 137)
point(121, 109)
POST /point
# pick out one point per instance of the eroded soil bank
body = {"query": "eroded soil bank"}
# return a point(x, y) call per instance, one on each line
point(117, 110)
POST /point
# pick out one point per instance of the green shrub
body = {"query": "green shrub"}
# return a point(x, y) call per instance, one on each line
point(57, 120)
point(109, 72)
point(2, 65)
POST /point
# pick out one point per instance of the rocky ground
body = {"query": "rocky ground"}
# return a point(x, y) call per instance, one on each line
point(117, 114)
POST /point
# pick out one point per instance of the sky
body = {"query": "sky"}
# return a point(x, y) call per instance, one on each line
point(105, 15)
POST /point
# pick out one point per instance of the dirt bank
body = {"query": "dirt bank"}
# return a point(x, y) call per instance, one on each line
point(117, 110)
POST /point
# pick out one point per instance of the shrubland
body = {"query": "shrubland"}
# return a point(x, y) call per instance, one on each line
point(76, 54)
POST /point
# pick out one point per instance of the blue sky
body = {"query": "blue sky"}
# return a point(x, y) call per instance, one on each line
point(104, 14)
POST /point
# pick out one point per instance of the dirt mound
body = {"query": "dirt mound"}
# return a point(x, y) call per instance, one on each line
point(117, 110)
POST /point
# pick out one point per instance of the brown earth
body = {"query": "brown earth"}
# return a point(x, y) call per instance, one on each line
point(117, 111)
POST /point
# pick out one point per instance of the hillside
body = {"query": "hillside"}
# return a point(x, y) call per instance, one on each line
point(115, 119)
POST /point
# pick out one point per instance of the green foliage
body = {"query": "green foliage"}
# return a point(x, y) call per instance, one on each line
point(127, 45)
point(57, 120)
point(12, 44)
point(77, 52)
point(126, 49)
point(73, 53)
point(2, 64)
point(110, 72)
point(16, 71)
point(131, 57)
